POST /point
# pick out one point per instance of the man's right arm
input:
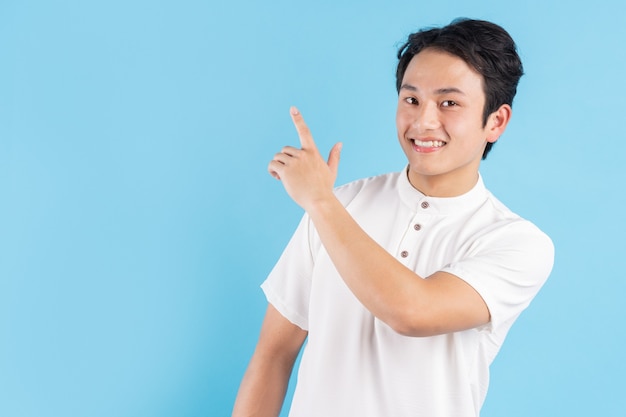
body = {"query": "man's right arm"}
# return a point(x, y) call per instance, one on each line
point(262, 390)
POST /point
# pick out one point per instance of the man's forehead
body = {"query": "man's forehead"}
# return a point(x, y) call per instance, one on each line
point(440, 72)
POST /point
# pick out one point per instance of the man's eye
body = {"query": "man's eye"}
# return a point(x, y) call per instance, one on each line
point(411, 100)
point(449, 103)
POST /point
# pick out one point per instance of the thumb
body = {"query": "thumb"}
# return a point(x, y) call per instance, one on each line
point(334, 156)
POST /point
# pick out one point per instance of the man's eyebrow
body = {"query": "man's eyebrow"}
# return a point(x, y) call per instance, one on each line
point(440, 91)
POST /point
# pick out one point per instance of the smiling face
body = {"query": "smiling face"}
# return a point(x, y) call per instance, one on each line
point(440, 123)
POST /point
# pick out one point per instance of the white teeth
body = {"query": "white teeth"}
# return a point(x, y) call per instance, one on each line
point(430, 143)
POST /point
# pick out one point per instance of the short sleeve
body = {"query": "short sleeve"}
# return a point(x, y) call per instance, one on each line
point(507, 267)
point(288, 286)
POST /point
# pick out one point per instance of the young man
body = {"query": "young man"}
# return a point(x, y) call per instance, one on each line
point(405, 284)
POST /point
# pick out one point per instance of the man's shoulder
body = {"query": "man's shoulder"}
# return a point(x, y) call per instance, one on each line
point(369, 186)
point(505, 222)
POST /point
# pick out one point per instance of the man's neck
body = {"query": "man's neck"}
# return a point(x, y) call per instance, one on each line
point(443, 185)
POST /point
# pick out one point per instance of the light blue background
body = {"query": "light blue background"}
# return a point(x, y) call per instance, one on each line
point(137, 219)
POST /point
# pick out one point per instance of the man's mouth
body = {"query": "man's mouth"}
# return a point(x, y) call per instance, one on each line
point(428, 143)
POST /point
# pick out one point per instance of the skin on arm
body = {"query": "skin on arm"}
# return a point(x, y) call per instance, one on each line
point(412, 306)
point(263, 387)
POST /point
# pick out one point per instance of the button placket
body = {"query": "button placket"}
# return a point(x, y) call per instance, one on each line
point(410, 241)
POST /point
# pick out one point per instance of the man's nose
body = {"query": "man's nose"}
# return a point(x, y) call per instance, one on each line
point(426, 117)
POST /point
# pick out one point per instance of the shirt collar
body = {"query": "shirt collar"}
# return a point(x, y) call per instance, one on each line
point(416, 200)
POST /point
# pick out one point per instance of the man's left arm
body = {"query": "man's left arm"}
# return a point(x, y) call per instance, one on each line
point(412, 306)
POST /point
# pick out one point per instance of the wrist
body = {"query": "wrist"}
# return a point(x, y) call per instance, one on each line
point(323, 205)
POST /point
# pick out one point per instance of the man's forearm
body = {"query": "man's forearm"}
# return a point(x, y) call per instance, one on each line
point(262, 389)
point(377, 279)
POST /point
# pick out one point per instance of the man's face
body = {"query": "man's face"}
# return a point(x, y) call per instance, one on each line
point(440, 123)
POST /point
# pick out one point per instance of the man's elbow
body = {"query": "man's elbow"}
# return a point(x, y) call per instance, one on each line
point(414, 324)
point(425, 322)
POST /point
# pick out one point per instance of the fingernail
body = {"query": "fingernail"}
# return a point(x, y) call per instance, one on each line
point(294, 110)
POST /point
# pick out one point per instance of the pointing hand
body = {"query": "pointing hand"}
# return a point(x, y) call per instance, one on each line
point(306, 176)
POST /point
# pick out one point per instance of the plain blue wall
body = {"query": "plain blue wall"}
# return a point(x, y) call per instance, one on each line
point(137, 219)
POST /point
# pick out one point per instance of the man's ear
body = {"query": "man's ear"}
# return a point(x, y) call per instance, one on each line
point(497, 122)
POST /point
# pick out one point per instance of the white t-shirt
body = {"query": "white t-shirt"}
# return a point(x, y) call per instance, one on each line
point(354, 364)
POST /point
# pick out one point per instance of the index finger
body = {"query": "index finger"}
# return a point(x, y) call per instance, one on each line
point(306, 139)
